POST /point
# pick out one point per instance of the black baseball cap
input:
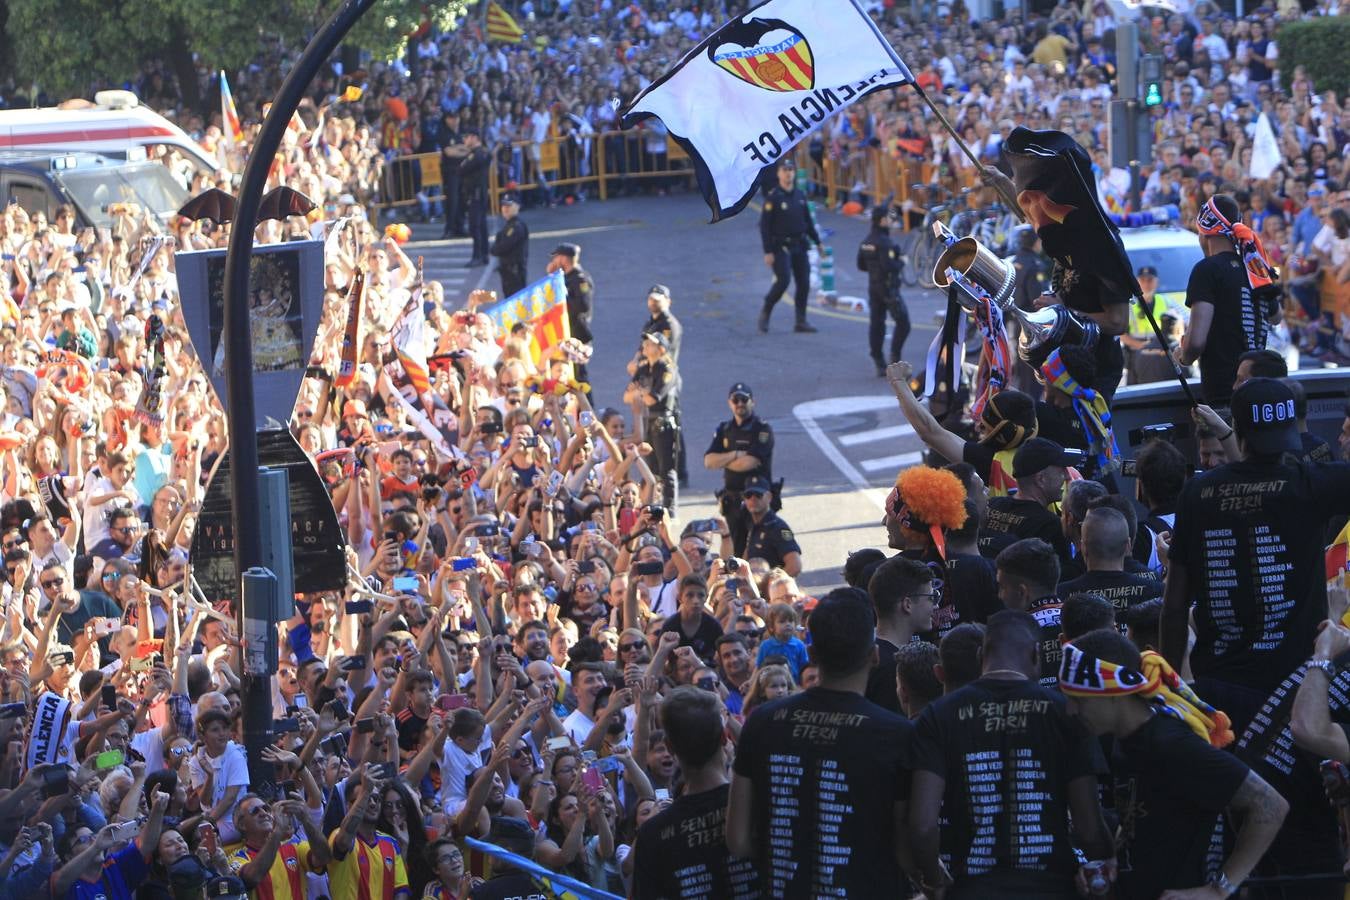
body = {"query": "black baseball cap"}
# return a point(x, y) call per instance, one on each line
point(226, 886)
point(568, 250)
point(741, 387)
point(1147, 272)
point(1038, 454)
point(1264, 415)
point(756, 484)
point(660, 289)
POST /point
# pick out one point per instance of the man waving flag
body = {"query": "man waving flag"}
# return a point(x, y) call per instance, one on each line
point(753, 90)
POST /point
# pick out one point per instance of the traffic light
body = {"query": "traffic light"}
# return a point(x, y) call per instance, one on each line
point(1150, 79)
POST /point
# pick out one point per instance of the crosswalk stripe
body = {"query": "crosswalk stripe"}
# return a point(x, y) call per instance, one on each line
point(876, 434)
point(898, 461)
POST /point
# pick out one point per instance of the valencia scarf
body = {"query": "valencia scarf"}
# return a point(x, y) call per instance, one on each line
point(1091, 407)
point(1081, 675)
point(1260, 273)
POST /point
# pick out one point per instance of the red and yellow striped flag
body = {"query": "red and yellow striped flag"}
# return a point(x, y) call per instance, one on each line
point(501, 27)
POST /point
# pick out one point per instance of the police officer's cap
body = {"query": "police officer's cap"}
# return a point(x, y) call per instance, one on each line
point(510, 200)
point(1147, 272)
point(787, 163)
point(742, 389)
point(660, 290)
point(658, 339)
point(757, 484)
point(568, 250)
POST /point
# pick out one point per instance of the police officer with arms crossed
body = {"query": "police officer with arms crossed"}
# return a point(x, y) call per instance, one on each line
point(880, 258)
point(785, 226)
point(742, 447)
point(511, 246)
point(770, 537)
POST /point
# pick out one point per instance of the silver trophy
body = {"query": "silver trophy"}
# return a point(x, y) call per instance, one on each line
point(982, 275)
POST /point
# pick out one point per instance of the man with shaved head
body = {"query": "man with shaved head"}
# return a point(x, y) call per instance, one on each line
point(1105, 545)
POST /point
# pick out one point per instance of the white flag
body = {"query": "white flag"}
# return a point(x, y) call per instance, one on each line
point(1265, 149)
point(748, 94)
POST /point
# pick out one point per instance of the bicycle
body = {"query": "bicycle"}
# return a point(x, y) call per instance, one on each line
point(927, 247)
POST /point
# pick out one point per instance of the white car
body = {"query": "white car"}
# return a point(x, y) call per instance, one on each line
point(1172, 251)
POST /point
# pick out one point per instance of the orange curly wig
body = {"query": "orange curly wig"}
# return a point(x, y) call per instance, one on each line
point(934, 501)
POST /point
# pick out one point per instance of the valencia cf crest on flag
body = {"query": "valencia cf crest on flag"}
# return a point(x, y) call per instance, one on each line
point(1057, 192)
point(783, 63)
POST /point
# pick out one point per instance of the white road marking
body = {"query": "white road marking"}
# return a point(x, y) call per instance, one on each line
point(888, 433)
point(898, 461)
point(807, 414)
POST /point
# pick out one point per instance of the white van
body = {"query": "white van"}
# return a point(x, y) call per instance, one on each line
point(116, 126)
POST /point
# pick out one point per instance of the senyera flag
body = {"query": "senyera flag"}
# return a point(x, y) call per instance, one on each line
point(543, 304)
point(754, 89)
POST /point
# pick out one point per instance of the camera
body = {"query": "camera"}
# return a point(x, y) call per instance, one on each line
point(656, 512)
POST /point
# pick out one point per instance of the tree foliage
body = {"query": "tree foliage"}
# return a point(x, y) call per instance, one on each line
point(1319, 46)
point(65, 45)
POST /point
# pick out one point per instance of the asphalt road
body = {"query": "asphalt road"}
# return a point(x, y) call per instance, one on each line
point(840, 439)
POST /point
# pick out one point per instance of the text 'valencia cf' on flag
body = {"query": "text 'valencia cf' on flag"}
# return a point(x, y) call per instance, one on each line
point(743, 98)
point(1058, 193)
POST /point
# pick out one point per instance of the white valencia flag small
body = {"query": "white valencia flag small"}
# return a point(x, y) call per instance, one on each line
point(761, 83)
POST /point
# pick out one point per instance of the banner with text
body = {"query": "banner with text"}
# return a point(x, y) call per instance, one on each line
point(748, 94)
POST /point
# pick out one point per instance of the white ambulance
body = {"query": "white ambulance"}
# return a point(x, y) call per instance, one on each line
point(115, 125)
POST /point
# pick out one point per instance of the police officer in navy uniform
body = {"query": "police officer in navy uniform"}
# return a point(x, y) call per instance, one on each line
point(770, 537)
point(655, 388)
point(473, 177)
point(511, 246)
point(580, 296)
point(663, 321)
point(785, 228)
point(742, 448)
point(880, 258)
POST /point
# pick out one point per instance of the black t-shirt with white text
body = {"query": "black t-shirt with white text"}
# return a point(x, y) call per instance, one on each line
point(1170, 787)
point(1011, 519)
point(1235, 327)
point(1123, 589)
point(1267, 745)
point(1046, 611)
point(1006, 751)
point(684, 853)
point(827, 768)
point(1250, 537)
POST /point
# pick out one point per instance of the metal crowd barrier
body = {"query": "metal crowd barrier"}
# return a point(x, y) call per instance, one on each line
point(598, 165)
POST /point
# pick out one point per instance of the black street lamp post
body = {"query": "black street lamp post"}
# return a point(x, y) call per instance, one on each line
point(257, 698)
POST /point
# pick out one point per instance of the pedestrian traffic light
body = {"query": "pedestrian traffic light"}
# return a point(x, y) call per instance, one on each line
point(1150, 79)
